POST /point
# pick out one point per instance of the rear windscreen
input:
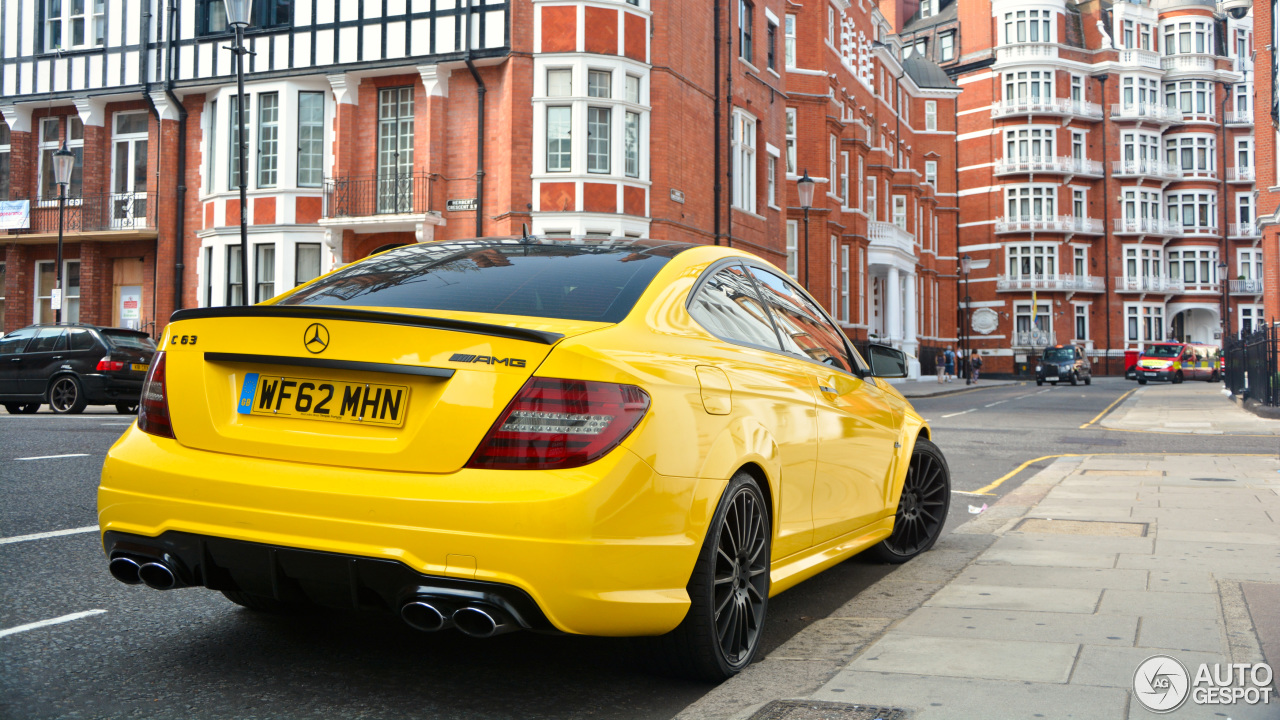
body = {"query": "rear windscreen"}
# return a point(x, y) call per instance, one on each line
point(129, 341)
point(595, 281)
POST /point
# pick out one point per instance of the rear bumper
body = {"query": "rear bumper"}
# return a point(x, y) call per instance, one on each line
point(104, 389)
point(605, 549)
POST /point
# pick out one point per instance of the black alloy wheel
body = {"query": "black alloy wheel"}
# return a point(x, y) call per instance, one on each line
point(1142, 381)
point(66, 397)
point(922, 508)
point(1088, 379)
point(1075, 379)
point(127, 408)
point(728, 591)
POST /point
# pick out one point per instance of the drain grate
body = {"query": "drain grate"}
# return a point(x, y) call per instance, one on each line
point(1082, 527)
point(819, 710)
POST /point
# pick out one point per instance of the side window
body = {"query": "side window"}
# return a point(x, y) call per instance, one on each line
point(81, 339)
point(804, 330)
point(49, 340)
point(727, 306)
point(15, 341)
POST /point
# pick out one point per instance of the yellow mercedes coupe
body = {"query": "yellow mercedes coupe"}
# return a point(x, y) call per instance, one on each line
point(605, 437)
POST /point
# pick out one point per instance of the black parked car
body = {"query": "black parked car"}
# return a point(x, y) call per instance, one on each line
point(1064, 363)
point(71, 366)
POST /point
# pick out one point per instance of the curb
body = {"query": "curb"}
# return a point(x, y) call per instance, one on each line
point(1266, 412)
point(956, 391)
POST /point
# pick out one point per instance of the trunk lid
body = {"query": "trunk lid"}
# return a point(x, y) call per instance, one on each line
point(408, 391)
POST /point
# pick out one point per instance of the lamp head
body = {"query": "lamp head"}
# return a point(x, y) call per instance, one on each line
point(966, 264)
point(805, 187)
point(238, 12)
point(63, 163)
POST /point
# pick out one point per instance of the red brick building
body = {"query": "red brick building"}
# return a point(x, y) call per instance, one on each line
point(1266, 113)
point(452, 119)
point(1107, 164)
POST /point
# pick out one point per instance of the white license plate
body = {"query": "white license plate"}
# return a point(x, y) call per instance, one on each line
point(1052, 378)
point(1150, 374)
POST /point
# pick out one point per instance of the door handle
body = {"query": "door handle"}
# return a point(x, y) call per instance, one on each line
point(15, 359)
point(57, 357)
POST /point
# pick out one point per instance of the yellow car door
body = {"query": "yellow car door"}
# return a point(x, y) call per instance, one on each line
point(857, 423)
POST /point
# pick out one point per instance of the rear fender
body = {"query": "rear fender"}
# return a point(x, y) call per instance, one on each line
point(743, 441)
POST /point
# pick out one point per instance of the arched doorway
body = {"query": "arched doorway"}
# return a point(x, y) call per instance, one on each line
point(1194, 322)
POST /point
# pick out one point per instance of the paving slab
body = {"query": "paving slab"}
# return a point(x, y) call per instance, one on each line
point(1159, 604)
point(1001, 597)
point(1115, 666)
point(1088, 544)
point(1049, 558)
point(1052, 627)
point(943, 698)
point(969, 658)
point(1058, 577)
point(1196, 581)
point(1182, 634)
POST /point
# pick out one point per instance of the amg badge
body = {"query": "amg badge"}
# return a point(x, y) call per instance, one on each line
point(487, 360)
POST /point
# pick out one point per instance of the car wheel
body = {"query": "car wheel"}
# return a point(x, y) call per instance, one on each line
point(922, 509)
point(1075, 380)
point(1039, 383)
point(1177, 377)
point(66, 397)
point(1213, 377)
point(1088, 380)
point(127, 408)
point(728, 591)
point(1142, 381)
point(262, 603)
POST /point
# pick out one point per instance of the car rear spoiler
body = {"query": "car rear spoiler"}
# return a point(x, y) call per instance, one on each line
point(369, 316)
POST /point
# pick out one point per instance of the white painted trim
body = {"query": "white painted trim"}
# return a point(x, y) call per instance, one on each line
point(975, 78)
point(977, 134)
point(980, 190)
point(983, 246)
point(976, 167)
point(976, 224)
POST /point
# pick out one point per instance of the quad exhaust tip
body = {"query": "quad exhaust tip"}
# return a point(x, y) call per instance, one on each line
point(125, 570)
point(427, 615)
point(157, 576)
point(483, 622)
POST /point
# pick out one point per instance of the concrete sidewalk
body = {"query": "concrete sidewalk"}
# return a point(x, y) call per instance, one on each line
point(1193, 408)
point(1045, 605)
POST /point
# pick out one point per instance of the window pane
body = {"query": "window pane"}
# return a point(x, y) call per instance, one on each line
point(632, 142)
point(559, 154)
point(598, 83)
point(804, 330)
point(268, 136)
point(310, 139)
point(727, 306)
point(598, 128)
point(559, 83)
point(307, 263)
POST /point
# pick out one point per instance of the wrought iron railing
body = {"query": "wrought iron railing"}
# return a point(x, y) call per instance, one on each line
point(93, 213)
point(1251, 365)
point(388, 194)
point(1049, 282)
point(1245, 287)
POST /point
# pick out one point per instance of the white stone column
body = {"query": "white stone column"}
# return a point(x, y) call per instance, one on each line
point(910, 336)
point(892, 309)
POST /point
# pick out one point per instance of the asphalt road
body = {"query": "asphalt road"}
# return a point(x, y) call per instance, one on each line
point(192, 654)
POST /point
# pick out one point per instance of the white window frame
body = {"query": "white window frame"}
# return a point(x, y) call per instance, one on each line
point(1023, 259)
point(793, 244)
point(1080, 316)
point(44, 296)
point(789, 41)
point(625, 98)
point(931, 115)
point(931, 172)
point(947, 47)
point(900, 211)
point(92, 21)
point(844, 284)
point(791, 131)
point(742, 140)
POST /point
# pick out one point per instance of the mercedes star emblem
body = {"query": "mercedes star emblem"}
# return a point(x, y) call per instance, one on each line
point(316, 338)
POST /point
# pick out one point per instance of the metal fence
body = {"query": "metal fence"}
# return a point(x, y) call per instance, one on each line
point(93, 213)
point(1251, 365)
point(387, 194)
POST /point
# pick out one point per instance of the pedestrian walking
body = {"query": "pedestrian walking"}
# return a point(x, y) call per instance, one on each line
point(949, 363)
point(975, 364)
point(941, 362)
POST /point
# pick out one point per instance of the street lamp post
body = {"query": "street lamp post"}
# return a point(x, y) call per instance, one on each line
point(1226, 302)
point(966, 264)
point(804, 186)
point(238, 19)
point(63, 163)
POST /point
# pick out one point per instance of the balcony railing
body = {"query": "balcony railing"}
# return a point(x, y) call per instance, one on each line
point(1136, 57)
point(1033, 338)
point(1026, 51)
point(1047, 223)
point(1149, 167)
point(1241, 174)
point(1239, 117)
point(1146, 226)
point(1146, 111)
point(93, 213)
point(1046, 106)
point(889, 235)
point(362, 196)
point(1064, 165)
point(1244, 230)
point(1245, 287)
point(1150, 283)
point(1064, 283)
point(1197, 62)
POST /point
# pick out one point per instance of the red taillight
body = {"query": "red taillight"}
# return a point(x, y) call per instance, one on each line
point(153, 409)
point(106, 364)
point(555, 424)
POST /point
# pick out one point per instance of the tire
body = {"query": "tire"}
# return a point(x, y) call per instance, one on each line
point(127, 408)
point(262, 603)
point(1177, 377)
point(1075, 380)
point(66, 396)
point(732, 573)
point(1142, 381)
point(1088, 380)
point(1213, 376)
point(1039, 383)
point(922, 508)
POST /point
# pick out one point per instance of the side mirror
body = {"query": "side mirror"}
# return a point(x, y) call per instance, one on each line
point(887, 362)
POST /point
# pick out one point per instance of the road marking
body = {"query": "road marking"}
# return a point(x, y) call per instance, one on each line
point(962, 492)
point(43, 535)
point(116, 424)
point(996, 403)
point(54, 457)
point(1107, 410)
point(960, 413)
point(51, 621)
point(1042, 391)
